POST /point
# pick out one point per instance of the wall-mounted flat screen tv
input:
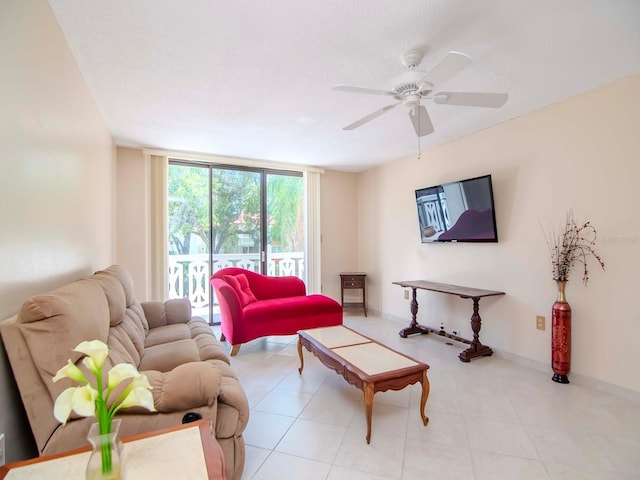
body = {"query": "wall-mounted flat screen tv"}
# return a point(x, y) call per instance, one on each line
point(461, 211)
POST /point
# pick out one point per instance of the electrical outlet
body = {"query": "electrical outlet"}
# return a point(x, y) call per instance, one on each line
point(2, 450)
point(540, 322)
point(406, 294)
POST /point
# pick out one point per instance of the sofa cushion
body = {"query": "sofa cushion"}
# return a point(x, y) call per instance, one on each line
point(125, 315)
point(130, 302)
point(167, 356)
point(55, 323)
point(241, 285)
point(123, 343)
point(177, 310)
point(125, 279)
point(114, 292)
point(209, 348)
point(190, 385)
point(288, 307)
point(166, 334)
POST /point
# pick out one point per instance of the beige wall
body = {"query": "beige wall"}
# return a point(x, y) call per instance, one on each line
point(132, 221)
point(580, 154)
point(339, 225)
point(57, 182)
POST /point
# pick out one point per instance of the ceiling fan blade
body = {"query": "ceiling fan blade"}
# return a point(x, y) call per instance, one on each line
point(446, 68)
point(471, 99)
point(421, 121)
point(370, 117)
point(370, 91)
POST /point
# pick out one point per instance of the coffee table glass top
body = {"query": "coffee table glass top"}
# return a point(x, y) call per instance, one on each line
point(373, 358)
point(332, 337)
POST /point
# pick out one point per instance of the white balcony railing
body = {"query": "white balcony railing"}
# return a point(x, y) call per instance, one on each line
point(189, 274)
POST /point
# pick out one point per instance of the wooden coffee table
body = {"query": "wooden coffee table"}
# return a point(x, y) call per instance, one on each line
point(365, 363)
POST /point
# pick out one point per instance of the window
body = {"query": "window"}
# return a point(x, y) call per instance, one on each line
point(222, 216)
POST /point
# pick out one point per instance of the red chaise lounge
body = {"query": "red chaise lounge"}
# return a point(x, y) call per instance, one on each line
point(254, 305)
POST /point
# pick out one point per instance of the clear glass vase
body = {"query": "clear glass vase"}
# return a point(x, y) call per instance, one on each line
point(105, 460)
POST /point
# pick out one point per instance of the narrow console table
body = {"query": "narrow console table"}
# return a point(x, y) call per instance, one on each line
point(476, 349)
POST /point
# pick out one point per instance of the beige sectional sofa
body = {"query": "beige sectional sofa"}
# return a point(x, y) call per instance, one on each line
point(186, 365)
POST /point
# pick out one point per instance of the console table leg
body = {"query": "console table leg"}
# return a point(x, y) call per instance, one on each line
point(423, 399)
point(476, 349)
point(300, 355)
point(368, 407)
point(413, 327)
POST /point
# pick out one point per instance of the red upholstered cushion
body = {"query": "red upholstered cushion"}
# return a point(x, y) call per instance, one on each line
point(303, 311)
point(241, 285)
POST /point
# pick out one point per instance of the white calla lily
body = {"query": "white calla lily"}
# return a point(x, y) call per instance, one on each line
point(70, 370)
point(141, 380)
point(121, 372)
point(87, 401)
point(139, 397)
point(91, 365)
point(84, 401)
point(63, 406)
point(97, 352)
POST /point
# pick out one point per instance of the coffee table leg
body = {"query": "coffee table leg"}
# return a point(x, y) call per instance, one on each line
point(300, 355)
point(425, 395)
point(368, 407)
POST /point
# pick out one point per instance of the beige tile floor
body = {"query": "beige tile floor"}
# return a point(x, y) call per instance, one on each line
point(489, 419)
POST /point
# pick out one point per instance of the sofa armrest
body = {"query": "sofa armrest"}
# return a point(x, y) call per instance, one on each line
point(190, 385)
point(159, 314)
point(228, 299)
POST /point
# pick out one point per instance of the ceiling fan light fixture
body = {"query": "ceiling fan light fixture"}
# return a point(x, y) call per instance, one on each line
point(412, 100)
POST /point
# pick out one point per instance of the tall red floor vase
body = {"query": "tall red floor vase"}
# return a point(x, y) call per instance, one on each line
point(561, 336)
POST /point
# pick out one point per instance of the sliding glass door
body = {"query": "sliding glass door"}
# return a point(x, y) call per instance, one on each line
point(189, 213)
point(237, 219)
point(222, 217)
point(285, 225)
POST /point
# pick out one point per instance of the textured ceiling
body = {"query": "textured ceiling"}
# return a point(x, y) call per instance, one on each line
point(253, 78)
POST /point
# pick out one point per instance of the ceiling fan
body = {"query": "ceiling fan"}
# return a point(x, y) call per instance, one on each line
point(413, 92)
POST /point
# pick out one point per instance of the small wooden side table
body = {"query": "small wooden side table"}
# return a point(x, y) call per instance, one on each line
point(355, 281)
point(184, 451)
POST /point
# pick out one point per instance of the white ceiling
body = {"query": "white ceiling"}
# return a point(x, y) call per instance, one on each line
point(253, 78)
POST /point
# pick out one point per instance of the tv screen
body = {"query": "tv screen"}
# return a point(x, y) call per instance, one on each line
point(460, 211)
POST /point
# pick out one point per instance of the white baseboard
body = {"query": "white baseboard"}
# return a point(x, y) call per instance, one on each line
point(576, 378)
